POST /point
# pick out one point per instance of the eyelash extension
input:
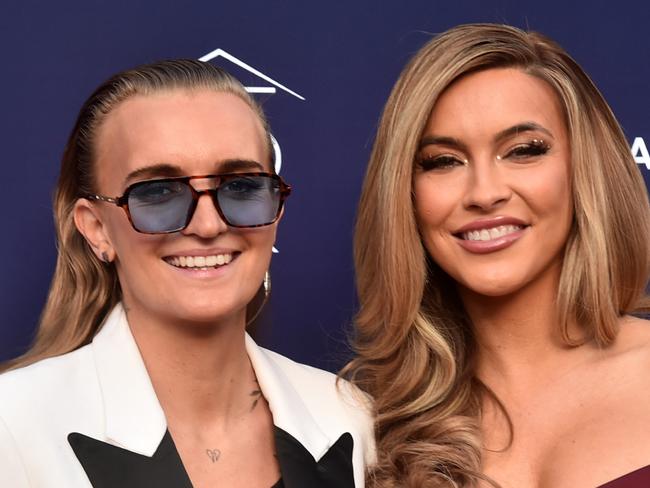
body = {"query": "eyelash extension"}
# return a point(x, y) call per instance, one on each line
point(443, 161)
point(536, 147)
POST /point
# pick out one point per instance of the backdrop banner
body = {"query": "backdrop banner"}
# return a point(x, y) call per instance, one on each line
point(322, 71)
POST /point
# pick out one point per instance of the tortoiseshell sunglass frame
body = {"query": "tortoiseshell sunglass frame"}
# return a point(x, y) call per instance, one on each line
point(123, 200)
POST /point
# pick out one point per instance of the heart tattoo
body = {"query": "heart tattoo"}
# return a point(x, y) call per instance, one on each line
point(213, 454)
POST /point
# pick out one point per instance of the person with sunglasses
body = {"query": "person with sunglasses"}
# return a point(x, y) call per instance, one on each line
point(141, 373)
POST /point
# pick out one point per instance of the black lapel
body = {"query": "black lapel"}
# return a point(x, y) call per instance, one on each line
point(299, 469)
point(110, 466)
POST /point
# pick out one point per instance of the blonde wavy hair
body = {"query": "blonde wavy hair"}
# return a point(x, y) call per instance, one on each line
point(84, 289)
point(413, 338)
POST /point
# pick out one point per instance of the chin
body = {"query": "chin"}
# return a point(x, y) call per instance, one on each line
point(497, 287)
point(206, 312)
point(493, 292)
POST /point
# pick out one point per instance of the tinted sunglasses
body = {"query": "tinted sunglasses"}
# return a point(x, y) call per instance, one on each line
point(167, 205)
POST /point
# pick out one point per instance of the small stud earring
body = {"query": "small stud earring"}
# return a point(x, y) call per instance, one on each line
point(105, 257)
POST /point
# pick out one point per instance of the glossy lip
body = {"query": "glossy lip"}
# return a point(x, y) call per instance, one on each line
point(490, 222)
point(493, 245)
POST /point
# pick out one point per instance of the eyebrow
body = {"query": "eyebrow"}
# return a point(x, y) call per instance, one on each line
point(153, 171)
point(231, 165)
point(441, 141)
point(164, 170)
point(500, 136)
point(523, 127)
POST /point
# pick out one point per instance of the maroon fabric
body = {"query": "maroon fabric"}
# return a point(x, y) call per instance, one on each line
point(636, 479)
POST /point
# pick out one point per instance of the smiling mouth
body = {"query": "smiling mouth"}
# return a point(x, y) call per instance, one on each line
point(200, 263)
point(489, 234)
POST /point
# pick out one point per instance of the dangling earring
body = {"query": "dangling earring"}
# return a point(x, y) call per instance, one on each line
point(267, 285)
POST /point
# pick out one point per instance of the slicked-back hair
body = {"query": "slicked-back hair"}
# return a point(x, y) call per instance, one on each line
point(83, 288)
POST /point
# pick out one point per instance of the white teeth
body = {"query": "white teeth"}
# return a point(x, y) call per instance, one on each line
point(202, 263)
point(490, 234)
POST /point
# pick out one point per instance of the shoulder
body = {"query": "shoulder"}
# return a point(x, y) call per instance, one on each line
point(46, 373)
point(624, 368)
point(14, 472)
point(334, 403)
point(633, 339)
point(322, 389)
point(52, 382)
point(612, 404)
point(41, 403)
point(301, 373)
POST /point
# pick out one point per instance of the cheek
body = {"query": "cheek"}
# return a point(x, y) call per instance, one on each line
point(260, 244)
point(268, 241)
point(434, 202)
point(130, 246)
point(551, 195)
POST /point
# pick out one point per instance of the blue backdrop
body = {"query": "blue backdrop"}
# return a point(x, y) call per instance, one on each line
point(335, 62)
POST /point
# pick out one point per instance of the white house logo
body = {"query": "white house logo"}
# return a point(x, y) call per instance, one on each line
point(270, 87)
point(640, 152)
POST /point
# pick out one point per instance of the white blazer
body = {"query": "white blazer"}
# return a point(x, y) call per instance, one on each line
point(91, 418)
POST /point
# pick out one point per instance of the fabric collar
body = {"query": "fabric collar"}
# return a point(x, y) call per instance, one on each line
point(134, 419)
point(287, 407)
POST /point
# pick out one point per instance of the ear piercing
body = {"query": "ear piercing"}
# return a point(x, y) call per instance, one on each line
point(105, 257)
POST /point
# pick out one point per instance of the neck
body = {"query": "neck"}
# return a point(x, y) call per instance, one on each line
point(518, 335)
point(200, 372)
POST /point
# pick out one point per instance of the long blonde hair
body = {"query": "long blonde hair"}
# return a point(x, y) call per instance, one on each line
point(83, 288)
point(413, 338)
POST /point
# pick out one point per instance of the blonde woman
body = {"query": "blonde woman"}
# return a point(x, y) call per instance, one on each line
point(501, 246)
point(142, 373)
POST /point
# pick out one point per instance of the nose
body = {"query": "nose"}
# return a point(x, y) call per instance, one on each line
point(487, 187)
point(206, 221)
